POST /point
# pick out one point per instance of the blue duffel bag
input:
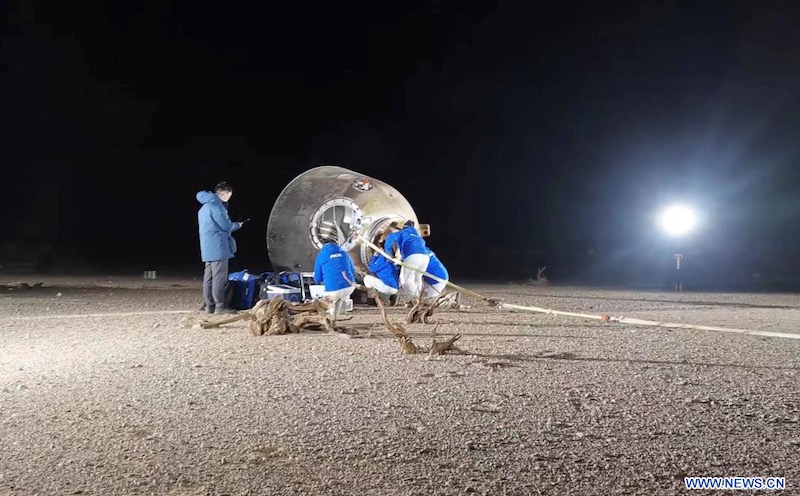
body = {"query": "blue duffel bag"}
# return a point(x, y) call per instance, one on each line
point(241, 291)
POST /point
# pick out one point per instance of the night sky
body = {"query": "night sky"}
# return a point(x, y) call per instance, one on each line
point(526, 134)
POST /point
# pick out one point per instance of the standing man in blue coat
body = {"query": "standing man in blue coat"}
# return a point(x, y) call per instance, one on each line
point(334, 268)
point(217, 245)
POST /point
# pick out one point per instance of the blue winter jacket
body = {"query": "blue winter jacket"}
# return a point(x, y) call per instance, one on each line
point(385, 270)
point(435, 268)
point(331, 261)
point(408, 240)
point(216, 242)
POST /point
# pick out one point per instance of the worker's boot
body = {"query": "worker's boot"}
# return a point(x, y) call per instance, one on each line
point(220, 310)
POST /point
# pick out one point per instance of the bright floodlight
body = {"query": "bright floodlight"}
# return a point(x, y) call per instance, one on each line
point(677, 220)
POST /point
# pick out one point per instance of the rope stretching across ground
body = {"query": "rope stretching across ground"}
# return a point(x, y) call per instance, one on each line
point(603, 316)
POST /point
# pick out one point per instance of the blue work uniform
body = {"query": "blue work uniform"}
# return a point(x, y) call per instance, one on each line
point(408, 241)
point(384, 270)
point(435, 268)
point(329, 265)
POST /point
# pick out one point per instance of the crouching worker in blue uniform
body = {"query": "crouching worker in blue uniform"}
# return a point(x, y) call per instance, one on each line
point(217, 245)
point(434, 288)
point(334, 269)
point(413, 254)
point(386, 279)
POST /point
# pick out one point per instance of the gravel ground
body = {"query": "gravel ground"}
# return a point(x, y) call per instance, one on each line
point(132, 403)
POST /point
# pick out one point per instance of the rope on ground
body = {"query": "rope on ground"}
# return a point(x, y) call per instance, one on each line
point(603, 316)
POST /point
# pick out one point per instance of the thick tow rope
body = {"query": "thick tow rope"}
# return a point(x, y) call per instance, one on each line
point(602, 317)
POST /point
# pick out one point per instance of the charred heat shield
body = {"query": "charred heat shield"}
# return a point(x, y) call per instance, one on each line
point(330, 202)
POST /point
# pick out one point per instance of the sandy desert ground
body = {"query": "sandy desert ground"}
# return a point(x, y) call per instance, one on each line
point(103, 392)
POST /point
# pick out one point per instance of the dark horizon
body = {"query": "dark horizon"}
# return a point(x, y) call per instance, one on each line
point(525, 135)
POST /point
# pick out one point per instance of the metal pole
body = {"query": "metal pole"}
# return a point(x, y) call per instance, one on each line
point(678, 282)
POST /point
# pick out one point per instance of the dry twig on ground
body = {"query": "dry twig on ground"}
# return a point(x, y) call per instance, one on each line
point(407, 345)
point(422, 308)
point(397, 330)
point(278, 316)
point(441, 347)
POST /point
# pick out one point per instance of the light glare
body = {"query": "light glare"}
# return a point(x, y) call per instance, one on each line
point(678, 220)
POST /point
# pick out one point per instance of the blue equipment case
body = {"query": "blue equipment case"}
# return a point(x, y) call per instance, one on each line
point(241, 290)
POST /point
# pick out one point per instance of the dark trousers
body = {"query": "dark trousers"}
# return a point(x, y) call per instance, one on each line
point(214, 279)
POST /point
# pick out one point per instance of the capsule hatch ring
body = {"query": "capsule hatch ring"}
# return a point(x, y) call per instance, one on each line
point(375, 227)
point(338, 220)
